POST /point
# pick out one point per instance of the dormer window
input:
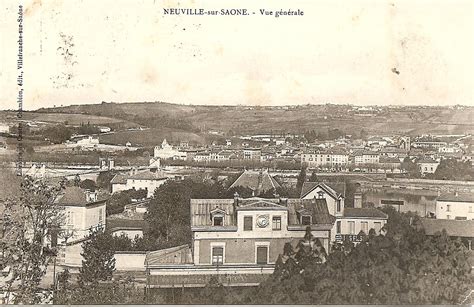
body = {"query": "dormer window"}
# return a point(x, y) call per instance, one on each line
point(338, 205)
point(306, 220)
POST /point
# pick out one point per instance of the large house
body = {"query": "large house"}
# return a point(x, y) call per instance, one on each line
point(83, 212)
point(147, 180)
point(349, 222)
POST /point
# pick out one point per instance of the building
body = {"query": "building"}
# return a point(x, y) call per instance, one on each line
point(252, 153)
point(253, 231)
point(455, 206)
point(349, 222)
point(316, 158)
point(455, 229)
point(166, 151)
point(83, 212)
point(366, 157)
point(427, 166)
point(147, 180)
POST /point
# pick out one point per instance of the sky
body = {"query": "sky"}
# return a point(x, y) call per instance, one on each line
point(359, 52)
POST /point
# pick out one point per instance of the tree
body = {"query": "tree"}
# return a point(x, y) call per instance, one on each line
point(99, 262)
point(314, 177)
point(411, 168)
point(301, 178)
point(88, 185)
point(28, 220)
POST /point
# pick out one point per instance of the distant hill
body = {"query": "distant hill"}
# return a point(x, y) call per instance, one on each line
point(291, 119)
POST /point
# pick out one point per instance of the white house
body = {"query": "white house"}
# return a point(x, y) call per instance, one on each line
point(138, 180)
point(455, 206)
point(350, 222)
point(83, 211)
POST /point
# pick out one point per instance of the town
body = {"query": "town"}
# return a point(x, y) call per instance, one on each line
point(187, 210)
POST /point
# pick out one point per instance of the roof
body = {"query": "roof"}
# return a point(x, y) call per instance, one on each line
point(201, 280)
point(148, 175)
point(259, 181)
point(384, 159)
point(336, 189)
point(114, 224)
point(364, 212)
point(457, 197)
point(174, 255)
point(75, 196)
point(201, 210)
point(119, 179)
point(455, 228)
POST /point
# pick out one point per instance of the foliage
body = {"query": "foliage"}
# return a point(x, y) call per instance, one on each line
point(103, 180)
point(411, 167)
point(450, 169)
point(403, 267)
point(98, 262)
point(88, 184)
point(28, 220)
point(118, 200)
point(301, 178)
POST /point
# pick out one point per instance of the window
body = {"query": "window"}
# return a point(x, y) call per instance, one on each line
point(217, 255)
point(352, 228)
point(262, 254)
point(338, 205)
point(338, 227)
point(470, 209)
point(218, 220)
point(377, 226)
point(448, 208)
point(320, 194)
point(460, 218)
point(364, 226)
point(306, 220)
point(448, 217)
point(101, 214)
point(276, 223)
point(70, 218)
point(248, 223)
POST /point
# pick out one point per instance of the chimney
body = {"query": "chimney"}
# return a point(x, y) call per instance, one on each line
point(236, 199)
point(91, 196)
point(456, 193)
point(357, 200)
point(283, 201)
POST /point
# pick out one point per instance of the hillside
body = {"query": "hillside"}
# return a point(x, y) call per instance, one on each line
point(294, 119)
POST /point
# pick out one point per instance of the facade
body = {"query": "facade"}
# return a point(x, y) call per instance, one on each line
point(427, 166)
point(366, 157)
point(253, 231)
point(83, 212)
point(252, 153)
point(316, 158)
point(455, 206)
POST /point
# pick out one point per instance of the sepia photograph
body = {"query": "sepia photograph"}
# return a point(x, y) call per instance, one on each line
point(206, 152)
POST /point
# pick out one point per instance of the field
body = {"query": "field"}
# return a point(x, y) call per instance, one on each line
point(150, 137)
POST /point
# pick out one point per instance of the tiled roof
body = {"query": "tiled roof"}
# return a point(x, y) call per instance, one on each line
point(457, 197)
point(125, 223)
point(364, 212)
point(256, 180)
point(453, 227)
point(119, 179)
point(74, 196)
point(174, 255)
point(148, 175)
